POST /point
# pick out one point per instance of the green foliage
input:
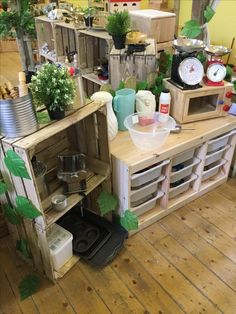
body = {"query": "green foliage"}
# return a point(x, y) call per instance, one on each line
point(191, 29)
point(108, 88)
point(22, 246)
point(28, 286)
point(107, 202)
point(3, 187)
point(142, 85)
point(89, 11)
point(22, 21)
point(43, 117)
point(229, 72)
point(25, 208)
point(201, 57)
point(129, 220)
point(208, 14)
point(121, 85)
point(52, 87)
point(118, 23)
point(11, 214)
point(234, 83)
point(16, 165)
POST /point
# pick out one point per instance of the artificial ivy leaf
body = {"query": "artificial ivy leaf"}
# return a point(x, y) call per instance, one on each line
point(142, 85)
point(129, 221)
point(208, 14)
point(201, 57)
point(22, 246)
point(43, 117)
point(107, 202)
point(25, 208)
point(11, 214)
point(28, 286)
point(16, 165)
point(191, 29)
point(3, 187)
point(229, 72)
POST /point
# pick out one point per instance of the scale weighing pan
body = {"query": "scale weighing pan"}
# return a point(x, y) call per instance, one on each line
point(217, 51)
point(188, 45)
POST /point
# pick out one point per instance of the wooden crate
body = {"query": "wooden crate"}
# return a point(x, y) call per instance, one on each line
point(84, 131)
point(198, 104)
point(8, 45)
point(156, 24)
point(139, 64)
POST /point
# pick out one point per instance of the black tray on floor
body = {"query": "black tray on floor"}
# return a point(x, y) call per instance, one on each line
point(106, 238)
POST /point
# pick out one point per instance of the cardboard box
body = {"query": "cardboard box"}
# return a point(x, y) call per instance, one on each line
point(156, 24)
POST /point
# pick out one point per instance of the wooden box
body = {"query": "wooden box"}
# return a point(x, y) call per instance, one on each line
point(198, 104)
point(84, 130)
point(139, 64)
point(156, 24)
point(8, 45)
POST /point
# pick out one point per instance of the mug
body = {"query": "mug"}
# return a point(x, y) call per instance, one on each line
point(124, 105)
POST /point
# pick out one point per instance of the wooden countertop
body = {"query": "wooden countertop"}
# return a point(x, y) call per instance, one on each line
point(123, 148)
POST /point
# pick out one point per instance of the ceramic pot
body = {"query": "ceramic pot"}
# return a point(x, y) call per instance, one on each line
point(56, 114)
point(112, 123)
point(88, 21)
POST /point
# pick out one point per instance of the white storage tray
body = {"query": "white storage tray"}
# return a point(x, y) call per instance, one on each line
point(141, 178)
point(183, 157)
point(218, 143)
point(216, 155)
point(182, 187)
point(213, 171)
point(145, 191)
point(186, 171)
point(139, 210)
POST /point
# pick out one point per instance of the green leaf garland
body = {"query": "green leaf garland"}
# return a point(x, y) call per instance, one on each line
point(208, 14)
point(129, 220)
point(22, 246)
point(3, 187)
point(28, 286)
point(16, 165)
point(107, 202)
point(191, 29)
point(26, 209)
point(11, 214)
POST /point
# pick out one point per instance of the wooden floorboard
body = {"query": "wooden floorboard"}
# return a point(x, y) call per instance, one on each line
point(184, 263)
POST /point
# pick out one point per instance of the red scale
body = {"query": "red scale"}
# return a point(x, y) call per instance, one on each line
point(216, 71)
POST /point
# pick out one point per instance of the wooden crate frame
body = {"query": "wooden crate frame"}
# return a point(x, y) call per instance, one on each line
point(85, 131)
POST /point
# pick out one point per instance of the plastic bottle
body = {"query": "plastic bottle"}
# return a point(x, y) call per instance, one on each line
point(164, 105)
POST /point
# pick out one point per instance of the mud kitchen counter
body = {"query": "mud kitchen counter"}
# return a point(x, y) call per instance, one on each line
point(153, 184)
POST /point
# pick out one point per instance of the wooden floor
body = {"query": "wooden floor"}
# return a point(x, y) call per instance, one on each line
point(185, 263)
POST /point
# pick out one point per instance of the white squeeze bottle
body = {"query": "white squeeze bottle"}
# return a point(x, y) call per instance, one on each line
point(164, 105)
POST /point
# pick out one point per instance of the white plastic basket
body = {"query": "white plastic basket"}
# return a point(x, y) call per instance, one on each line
point(173, 192)
point(139, 210)
point(218, 143)
point(213, 157)
point(207, 174)
point(183, 157)
point(186, 171)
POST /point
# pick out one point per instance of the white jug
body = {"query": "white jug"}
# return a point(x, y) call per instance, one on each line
point(112, 123)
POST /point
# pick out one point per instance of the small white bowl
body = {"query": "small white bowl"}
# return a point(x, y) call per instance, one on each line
point(59, 202)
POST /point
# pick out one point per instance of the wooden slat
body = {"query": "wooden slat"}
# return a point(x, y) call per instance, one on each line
point(112, 290)
point(143, 285)
point(188, 297)
point(82, 295)
point(213, 259)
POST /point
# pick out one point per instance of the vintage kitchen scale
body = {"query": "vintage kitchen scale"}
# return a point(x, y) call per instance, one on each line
point(187, 71)
point(191, 98)
point(216, 71)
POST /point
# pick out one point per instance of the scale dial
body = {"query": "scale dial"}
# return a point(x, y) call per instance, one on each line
point(191, 71)
point(216, 72)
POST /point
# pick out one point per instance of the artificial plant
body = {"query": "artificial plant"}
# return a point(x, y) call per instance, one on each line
point(14, 214)
point(20, 18)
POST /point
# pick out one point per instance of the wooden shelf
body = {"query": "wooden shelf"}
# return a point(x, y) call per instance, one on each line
point(72, 199)
point(93, 78)
point(46, 56)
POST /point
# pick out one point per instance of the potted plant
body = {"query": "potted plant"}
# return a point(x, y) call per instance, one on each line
point(118, 25)
point(53, 87)
point(88, 14)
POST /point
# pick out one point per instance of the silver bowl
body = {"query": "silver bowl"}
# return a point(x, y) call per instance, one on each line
point(218, 51)
point(188, 45)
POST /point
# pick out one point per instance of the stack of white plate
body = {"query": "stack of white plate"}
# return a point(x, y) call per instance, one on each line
point(17, 117)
